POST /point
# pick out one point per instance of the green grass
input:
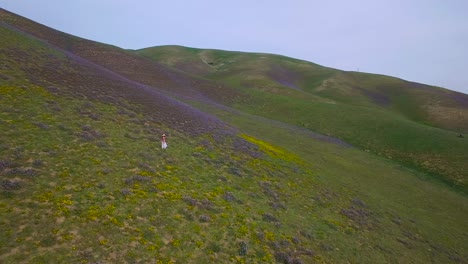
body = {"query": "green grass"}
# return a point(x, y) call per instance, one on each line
point(119, 197)
point(416, 125)
point(85, 181)
point(408, 204)
point(389, 135)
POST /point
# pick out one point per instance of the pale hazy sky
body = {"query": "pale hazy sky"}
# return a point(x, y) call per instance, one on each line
point(418, 40)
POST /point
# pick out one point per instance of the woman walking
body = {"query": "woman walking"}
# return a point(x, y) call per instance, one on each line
point(163, 141)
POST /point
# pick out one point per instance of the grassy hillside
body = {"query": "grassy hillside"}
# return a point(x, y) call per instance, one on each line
point(278, 74)
point(83, 178)
point(76, 188)
point(414, 124)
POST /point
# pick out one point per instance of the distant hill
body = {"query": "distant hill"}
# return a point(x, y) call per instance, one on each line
point(413, 123)
point(270, 159)
point(273, 73)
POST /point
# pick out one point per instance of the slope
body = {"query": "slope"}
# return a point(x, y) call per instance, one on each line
point(412, 123)
point(273, 73)
point(83, 179)
point(241, 80)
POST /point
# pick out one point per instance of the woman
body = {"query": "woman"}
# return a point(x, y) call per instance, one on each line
point(163, 141)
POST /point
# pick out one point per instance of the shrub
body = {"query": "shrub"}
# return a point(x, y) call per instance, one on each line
point(307, 234)
point(4, 164)
point(189, 200)
point(359, 216)
point(203, 204)
point(295, 240)
point(269, 218)
point(206, 204)
point(146, 167)
point(41, 125)
point(88, 134)
point(357, 202)
point(37, 163)
point(204, 218)
point(235, 171)
point(125, 192)
point(286, 258)
point(228, 197)
point(242, 248)
point(277, 205)
point(23, 172)
point(260, 236)
point(135, 179)
point(10, 185)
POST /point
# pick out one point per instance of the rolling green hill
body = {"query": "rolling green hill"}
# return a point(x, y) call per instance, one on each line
point(270, 159)
point(412, 123)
